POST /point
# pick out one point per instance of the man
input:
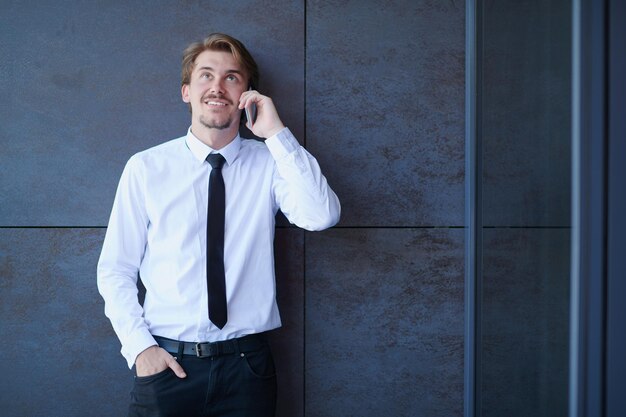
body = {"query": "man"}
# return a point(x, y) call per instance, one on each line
point(197, 344)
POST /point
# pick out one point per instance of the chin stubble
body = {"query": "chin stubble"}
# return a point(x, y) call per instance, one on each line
point(211, 125)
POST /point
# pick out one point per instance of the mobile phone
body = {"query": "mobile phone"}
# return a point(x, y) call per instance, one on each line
point(251, 112)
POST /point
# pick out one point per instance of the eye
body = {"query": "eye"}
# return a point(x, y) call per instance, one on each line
point(231, 78)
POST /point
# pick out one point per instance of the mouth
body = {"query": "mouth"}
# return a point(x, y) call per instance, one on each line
point(215, 103)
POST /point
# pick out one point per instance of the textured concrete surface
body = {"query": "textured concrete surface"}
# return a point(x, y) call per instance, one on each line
point(385, 108)
point(384, 323)
point(288, 341)
point(61, 357)
point(85, 86)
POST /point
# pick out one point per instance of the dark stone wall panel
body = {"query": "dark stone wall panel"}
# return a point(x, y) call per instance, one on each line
point(384, 322)
point(288, 341)
point(61, 357)
point(385, 116)
point(526, 114)
point(525, 322)
point(86, 85)
point(62, 344)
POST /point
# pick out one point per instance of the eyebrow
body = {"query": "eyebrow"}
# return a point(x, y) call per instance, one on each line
point(230, 71)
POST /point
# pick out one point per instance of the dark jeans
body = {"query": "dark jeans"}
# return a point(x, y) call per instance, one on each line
point(235, 385)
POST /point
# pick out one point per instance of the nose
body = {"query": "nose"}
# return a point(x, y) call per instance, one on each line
point(216, 86)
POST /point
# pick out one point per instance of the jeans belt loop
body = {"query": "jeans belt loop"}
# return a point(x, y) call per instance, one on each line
point(237, 349)
point(181, 349)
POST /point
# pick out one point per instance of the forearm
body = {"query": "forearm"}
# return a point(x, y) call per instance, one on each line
point(119, 263)
point(301, 189)
point(121, 305)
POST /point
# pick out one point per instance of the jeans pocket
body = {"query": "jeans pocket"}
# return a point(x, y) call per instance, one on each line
point(150, 378)
point(260, 363)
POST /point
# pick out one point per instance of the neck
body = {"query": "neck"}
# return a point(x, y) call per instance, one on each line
point(214, 138)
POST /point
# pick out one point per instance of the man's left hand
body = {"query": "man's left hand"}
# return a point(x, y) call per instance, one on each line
point(267, 122)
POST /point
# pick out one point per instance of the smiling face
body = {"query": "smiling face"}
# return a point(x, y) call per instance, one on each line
point(216, 83)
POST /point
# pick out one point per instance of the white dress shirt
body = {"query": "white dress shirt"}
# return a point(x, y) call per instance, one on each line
point(157, 229)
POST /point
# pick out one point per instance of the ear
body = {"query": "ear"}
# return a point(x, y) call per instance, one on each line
point(184, 92)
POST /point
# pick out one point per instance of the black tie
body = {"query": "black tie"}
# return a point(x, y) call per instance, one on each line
point(216, 282)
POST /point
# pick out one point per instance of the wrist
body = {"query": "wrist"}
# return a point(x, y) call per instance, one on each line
point(275, 130)
point(145, 351)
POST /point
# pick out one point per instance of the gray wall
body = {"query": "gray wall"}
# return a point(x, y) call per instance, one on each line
point(525, 119)
point(372, 309)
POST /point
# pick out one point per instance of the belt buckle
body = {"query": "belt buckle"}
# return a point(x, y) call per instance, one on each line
point(208, 346)
point(199, 350)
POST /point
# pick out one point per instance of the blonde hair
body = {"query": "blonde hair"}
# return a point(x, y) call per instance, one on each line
point(220, 42)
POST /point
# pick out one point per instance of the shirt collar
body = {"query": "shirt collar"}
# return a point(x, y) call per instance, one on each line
point(200, 151)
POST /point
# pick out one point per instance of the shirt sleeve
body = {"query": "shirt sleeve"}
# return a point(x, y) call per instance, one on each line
point(301, 191)
point(118, 266)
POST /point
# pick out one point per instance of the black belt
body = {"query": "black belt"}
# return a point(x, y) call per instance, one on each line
point(210, 349)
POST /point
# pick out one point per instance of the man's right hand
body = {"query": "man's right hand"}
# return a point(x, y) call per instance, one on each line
point(154, 360)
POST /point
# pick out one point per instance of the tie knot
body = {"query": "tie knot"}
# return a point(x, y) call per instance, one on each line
point(216, 160)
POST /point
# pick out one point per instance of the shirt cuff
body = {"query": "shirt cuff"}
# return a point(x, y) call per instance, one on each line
point(139, 343)
point(282, 144)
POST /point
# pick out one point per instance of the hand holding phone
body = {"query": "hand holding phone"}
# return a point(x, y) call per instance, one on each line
point(250, 113)
point(262, 118)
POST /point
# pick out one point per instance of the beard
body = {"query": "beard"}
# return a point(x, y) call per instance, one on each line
point(213, 124)
point(208, 122)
